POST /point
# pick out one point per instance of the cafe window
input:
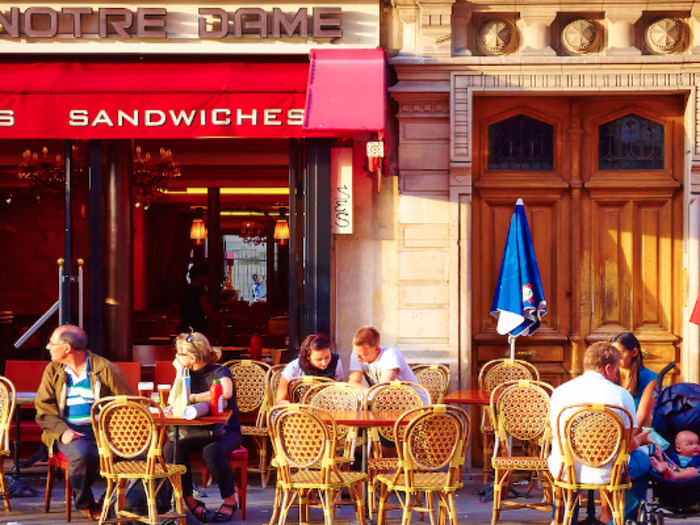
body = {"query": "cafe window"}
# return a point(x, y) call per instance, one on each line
point(521, 143)
point(631, 143)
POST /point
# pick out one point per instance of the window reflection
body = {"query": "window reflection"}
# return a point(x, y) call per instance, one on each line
point(521, 143)
point(631, 143)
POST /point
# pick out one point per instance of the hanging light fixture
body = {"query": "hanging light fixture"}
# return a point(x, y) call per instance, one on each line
point(253, 233)
point(45, 175)
point(281, 234)
point(151, 176)
point(198, 232)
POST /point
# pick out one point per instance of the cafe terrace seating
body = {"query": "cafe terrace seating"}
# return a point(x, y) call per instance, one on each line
point(127, 428)
point(305, 442)
point(594, 436)
point(251, 394)
point(298, 386)
point(520, 410)
point(435, 379)
point(492, 374)
point(7, 410)
point(395, 396)
point(432, 444)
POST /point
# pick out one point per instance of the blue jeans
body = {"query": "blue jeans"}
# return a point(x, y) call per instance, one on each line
point(639, 468)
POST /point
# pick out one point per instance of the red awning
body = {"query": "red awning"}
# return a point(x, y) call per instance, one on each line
point(347, 90)
point(151, 100)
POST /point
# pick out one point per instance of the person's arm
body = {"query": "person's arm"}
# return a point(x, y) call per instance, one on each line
point(355, 378)
point(645, 405)
point(389, 375)
point(282, 396)
point(46, 404)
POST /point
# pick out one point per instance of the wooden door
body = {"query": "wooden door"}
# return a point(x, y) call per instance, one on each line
point(521, 154)
point(605, 217)
point(632, 158)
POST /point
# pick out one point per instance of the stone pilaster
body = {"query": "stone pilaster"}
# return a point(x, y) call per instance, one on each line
point(435, 37)
point(408, 15)
point(461, 18)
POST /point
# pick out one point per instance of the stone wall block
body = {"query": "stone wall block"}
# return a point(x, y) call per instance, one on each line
point(423, 323)
point(422, 208)
point(424, 266)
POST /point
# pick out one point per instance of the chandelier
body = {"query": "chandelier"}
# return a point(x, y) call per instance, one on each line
point(253, 233)
point(151, 176)
point(44, 175)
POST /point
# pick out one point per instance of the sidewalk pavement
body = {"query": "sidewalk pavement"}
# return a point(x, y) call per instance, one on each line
point(30, 510)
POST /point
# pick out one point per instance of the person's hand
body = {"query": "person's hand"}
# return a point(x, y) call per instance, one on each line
point(659, 466)
point(643, 437)
point(178, 365)
point(70, 435)
point(658, 454)
point(693, 470)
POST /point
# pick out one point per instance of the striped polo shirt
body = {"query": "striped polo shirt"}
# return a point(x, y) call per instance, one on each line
point(79, 397)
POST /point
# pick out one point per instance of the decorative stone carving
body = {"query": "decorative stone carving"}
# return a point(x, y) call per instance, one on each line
point(665, 35)
point(580, 36)
point(496, 36)
point(621, 32)
point(535, 27)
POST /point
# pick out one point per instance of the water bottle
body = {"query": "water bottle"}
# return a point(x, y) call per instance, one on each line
point(256, 347)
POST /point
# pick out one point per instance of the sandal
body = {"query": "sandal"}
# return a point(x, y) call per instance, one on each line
point(221, 517)
point(204, 514)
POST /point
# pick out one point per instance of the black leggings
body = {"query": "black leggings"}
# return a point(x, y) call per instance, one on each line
point(215, 456)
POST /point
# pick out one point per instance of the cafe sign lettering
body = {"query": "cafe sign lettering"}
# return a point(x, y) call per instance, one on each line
point(152, 23)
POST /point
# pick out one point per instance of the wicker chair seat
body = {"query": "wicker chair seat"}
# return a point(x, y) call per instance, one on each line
point(137, 469)
point(252, 430)
point(383, 463)
point(519, 463)
point(421, 481)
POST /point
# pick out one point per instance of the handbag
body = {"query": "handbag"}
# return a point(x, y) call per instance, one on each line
point(205, 433)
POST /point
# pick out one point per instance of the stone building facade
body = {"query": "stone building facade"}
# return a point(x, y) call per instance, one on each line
point(587, 111)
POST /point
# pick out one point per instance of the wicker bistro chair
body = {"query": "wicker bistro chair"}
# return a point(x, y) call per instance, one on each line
point(340, 397)
point(520, 412)
point(305, 442)
point(272, 381)
point(298, 386)
point(593, 435)
point(435, 379)
point(7, 410)
point(394, 396)
point(251, 394)
point(492, 374)
point(433, 444)
point(127, 428)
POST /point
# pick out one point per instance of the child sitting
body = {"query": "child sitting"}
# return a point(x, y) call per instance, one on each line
point(684, 464)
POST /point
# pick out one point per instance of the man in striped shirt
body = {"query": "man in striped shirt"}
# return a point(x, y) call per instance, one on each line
point(72, 382)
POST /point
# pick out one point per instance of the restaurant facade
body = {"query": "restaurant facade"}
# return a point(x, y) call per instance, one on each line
point(589, 113)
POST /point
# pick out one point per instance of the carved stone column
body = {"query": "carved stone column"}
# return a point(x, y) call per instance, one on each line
point(461, 18)
point(575, 132)
point(408, 15)
point(435, 38)
point(695, 25)
point(621, 39)
point(536, 32)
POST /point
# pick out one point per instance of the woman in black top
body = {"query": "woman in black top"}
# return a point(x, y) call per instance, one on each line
point(194, 352)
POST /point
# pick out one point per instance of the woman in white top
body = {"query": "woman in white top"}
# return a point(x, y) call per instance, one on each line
point(315, 359)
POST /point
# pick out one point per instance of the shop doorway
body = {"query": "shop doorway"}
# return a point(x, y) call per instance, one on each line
point(601, 180)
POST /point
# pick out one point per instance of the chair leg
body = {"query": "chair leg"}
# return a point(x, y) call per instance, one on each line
point(109, 494)
point(69, 495)
point(3, 489)
point(49, 487)
point(383, 497)
point(487, 450)
point(242, 485)
point(276, 505)
point(151, 502)
point(176, 482)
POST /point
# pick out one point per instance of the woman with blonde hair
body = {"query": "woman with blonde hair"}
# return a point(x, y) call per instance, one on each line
point(194, 352)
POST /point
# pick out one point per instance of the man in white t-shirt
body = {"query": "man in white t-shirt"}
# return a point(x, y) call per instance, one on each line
point(377, 364)
point(601, 363)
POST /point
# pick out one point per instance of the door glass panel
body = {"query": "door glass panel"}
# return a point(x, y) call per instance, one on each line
point(521, 143)
point(631, 143)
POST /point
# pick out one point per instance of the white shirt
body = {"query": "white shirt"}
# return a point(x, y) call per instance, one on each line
point(293, 370)
point(591, 387)
point(389, 358)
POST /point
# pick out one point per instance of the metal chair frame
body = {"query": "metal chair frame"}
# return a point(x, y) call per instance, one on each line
point(492, 374)
point(128, 428)
point(521, 411)
point(602, 428)
point(433, 445)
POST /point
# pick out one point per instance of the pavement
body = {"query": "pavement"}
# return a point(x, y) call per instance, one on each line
point(29, 510)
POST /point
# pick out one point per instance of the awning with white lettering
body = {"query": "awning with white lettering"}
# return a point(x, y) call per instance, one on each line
point(111, 100)
point(346, 91)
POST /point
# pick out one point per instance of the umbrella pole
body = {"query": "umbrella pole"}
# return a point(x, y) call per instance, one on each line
point(511, 340)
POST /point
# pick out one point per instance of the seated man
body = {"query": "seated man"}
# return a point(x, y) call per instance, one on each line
point(682, 464)
point(72, 382)
point(601, 363)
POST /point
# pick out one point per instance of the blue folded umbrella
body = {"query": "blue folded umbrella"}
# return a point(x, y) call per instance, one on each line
point(519, 302)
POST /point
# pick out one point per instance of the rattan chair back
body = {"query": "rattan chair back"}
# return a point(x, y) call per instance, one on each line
point(7, 409)
point(126, 428)
point(251, 387)
point(500, 371)
point(298, 386)
point(435, 378)
point(335, 397)
point(272, 380)
point(394, 396)
point(521, 410)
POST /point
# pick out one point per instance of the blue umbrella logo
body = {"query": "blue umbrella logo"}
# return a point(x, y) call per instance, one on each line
point(519, 302)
